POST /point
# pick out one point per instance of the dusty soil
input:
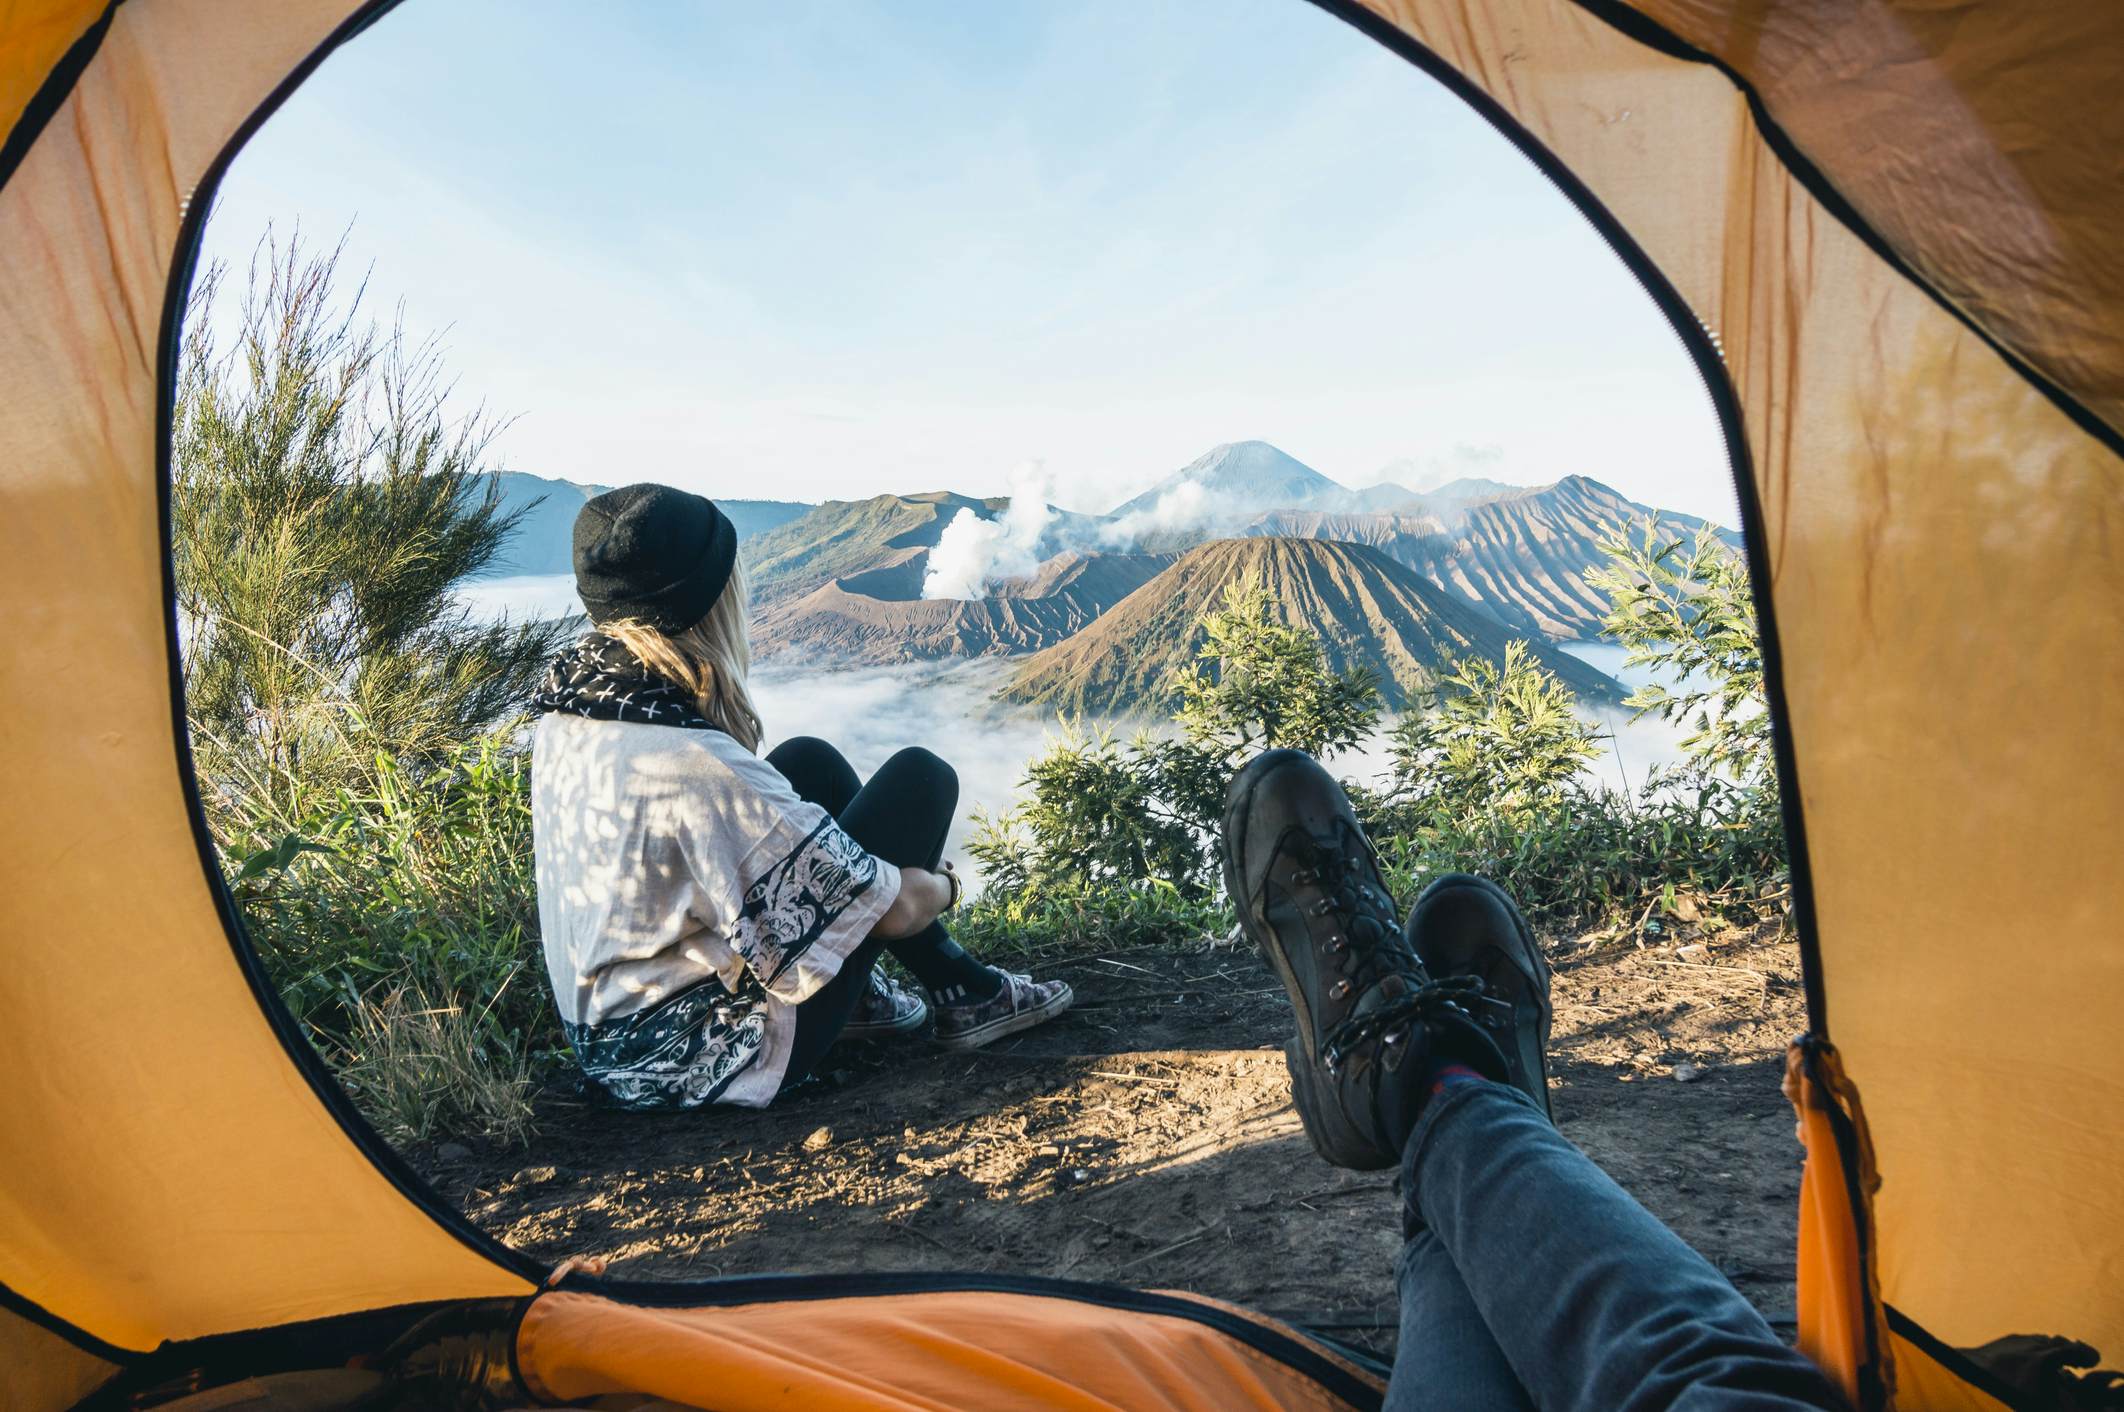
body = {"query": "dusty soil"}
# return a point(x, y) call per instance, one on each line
point(1148, 1138)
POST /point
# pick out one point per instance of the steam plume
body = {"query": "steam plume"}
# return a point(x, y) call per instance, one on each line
point(975, 552)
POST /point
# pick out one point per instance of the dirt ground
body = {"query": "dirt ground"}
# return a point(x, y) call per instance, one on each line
point(1148, 1138)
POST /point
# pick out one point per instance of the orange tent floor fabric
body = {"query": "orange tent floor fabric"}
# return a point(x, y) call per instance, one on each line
point(929, 1352)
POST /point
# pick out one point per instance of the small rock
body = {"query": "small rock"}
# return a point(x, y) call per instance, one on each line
point(901, 1159)
point(819, 1141)
point(1694, 951)
point(1687, 1073)
point(537, 1176)
point(453, 1152)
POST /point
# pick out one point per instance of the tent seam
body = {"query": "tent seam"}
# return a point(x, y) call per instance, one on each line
point(16, 1302)
point(1953, 1359)
point(51, 95)
point(1292, 1348)
point(1636, 25)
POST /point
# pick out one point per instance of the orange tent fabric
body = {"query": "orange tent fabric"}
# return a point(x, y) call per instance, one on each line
point(1885, 229)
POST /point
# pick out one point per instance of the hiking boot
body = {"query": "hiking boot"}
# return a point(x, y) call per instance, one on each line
point(1022, 1003)
point(1465, 926)
point(887, 1008)
point(1371, 1020)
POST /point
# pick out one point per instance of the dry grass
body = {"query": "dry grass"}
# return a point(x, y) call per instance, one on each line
point(420, 1068)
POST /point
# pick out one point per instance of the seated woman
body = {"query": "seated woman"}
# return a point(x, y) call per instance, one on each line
point(712, 919)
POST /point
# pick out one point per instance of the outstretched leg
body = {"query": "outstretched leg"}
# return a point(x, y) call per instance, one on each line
point(1594, 1302)
point(1447, 1358)
point(1426, 1049)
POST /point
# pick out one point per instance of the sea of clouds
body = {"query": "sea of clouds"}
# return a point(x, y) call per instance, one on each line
point(949, 707)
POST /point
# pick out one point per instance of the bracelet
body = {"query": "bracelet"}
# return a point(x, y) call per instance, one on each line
point(958, 887)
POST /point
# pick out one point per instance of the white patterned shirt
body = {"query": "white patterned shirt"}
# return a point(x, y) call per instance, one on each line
point(688, 900)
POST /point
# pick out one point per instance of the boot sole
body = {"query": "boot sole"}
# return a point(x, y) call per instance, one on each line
point(1236, 809)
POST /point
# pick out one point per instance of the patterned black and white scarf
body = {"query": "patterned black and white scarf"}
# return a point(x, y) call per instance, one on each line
point(599, 678)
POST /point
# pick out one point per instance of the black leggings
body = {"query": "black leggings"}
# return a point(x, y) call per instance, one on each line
point(902, 816)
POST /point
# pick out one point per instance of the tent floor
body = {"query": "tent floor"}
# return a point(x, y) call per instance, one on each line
point(1148, 1139)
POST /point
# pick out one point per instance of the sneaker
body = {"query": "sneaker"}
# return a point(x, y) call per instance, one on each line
point(1022, 1003)
point(886, 1008)
point(1307, 889)
point(1469, 926)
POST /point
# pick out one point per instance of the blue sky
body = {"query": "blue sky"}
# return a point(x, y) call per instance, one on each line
point(819, 250)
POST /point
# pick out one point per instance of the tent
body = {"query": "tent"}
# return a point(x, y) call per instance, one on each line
point(1888, 230)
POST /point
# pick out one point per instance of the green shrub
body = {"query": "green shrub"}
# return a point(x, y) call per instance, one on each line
point(1095, 817)
point(1494, 739)
point(349, 719)
point(1684, 606)
point(1487, 775)
point(1260, 685)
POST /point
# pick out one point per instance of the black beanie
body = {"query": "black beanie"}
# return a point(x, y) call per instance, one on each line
point(654, 554)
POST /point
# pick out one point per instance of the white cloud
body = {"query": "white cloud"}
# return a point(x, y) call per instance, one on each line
point(1185, 507)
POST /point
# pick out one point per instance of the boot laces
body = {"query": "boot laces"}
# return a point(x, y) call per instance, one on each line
point(1363, 914)
point(1460, 997)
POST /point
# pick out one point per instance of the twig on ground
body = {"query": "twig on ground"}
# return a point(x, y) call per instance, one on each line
point(1165, 1249)
point(1126, 965)
point(1702, 966)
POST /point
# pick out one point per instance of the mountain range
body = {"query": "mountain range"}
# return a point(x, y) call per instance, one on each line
point(1366, 609)
point(1101, 608)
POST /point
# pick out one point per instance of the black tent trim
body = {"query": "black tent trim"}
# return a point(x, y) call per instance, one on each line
point(1654, 35)
point(298, 1048)
point(193, 1365)
point(1955, 1361)
point(1725, 401)
point(44, 103)
point(51, 1323)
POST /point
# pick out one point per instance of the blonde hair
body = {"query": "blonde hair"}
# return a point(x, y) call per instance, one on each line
point(708, 661)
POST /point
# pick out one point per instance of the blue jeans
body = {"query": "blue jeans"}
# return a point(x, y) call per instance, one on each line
point(1530, 1279)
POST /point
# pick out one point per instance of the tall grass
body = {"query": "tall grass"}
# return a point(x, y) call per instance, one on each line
point(397, 915)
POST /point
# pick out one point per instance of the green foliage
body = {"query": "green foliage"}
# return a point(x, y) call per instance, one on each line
point(1002, 923)
point(1684, 606)
point(1260, 685)
point(1487, 775)
point(411, 896)
point(350, 721)
point(1108, 829)
point(1095, 817)
point(323, 507)
point(1498, 739)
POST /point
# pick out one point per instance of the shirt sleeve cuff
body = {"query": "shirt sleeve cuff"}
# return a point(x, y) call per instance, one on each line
point(822, 960)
